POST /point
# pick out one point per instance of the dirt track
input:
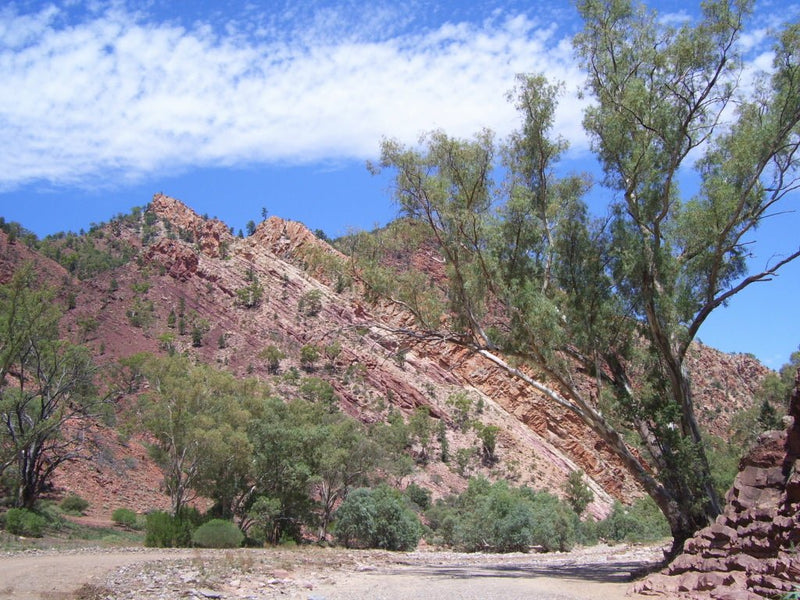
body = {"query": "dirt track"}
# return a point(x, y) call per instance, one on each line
point(56, 575)
point(320, 574)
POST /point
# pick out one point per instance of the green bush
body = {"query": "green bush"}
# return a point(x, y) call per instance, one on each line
point(498, 518)
point(377, 518)
point(125, 517)
point(419, 495)
point(21, 521)
point(218, 533)
point(640, 522)
point(74, 504)
point(162, 530)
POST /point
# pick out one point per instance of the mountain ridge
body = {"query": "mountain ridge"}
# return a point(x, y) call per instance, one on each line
point(244, 294)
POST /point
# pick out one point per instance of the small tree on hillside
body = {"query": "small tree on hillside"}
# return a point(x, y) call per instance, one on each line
point(578, 494)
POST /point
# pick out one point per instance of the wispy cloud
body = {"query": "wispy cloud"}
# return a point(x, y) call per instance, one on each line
point(107, 92)
point(124, 93)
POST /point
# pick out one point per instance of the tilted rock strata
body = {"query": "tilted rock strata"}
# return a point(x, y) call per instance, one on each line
point(195, 264)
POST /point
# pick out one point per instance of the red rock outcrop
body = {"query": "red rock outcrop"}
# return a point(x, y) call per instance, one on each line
point(750, 552)
point(211, 235)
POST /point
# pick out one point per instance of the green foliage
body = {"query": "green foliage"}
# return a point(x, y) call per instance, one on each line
point(332, 352)
point(21, 521)
point(530, 274)
point(160, 530)
point(125, 517)
point(251, 295)
point(776, 388)
point(85, 256)
point(420, 430)
point(640, 522)
point(310, 303)
point(487, 434)
point(198, 418)
point(461, 402)
point(318, 390)
point(768, 417)
point(197, 335)
point(47, 382)
point(444, 445)
point(218, 533)
point(140, 312)
point(163, 530)
point(497, 518)
point(377, 518)
point(578, 494)
point(420, 496)
point(273, 356)
point(264, 514)
point(309, 354)
point(74, 504)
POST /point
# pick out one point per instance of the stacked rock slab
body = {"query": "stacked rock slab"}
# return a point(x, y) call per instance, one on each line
point(752, 551)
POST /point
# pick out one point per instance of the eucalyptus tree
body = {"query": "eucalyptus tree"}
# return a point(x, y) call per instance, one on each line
point(198, 419)
point(552, 295)
point(47, 389)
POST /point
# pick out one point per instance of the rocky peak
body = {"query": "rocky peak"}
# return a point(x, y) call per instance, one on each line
point(211, 235)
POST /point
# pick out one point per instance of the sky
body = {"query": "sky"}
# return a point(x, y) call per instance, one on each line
point(236, 106)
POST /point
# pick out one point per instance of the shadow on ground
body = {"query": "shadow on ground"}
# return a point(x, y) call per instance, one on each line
point(610, 572)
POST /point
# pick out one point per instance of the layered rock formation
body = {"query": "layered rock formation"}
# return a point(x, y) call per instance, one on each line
point(191, 267)
point(751, 551)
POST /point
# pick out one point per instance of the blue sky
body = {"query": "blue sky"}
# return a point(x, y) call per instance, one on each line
point(237, 105)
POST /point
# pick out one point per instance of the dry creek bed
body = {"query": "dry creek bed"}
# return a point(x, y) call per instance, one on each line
point(602, 572)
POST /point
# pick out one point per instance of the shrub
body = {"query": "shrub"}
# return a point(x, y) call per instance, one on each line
point(418, 495)
point(377, 518)
point(498, 518)
point(125, 517)
point(162, 530)
point(308, 356)
point(577, 492)
point(273, 357)
point(218, 533)
point(310, 303)
point(74, 504)
point(640, 522)
point(355, 518)
point(21, 521)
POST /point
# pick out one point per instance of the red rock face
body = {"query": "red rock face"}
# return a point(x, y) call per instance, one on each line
point(180, 262)
point(751, 550)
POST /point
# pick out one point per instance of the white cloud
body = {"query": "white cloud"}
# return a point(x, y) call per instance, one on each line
point(115, 93)
point(119, 92)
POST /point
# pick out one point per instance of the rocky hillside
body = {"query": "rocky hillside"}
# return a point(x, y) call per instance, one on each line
point(180, 282)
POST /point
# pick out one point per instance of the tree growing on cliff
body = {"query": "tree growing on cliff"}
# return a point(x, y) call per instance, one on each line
point(551, 295)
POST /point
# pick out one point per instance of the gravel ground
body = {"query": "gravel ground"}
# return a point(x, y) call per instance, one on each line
point(321, 574)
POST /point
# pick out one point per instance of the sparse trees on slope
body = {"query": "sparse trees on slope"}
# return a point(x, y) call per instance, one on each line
point(541, 289)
